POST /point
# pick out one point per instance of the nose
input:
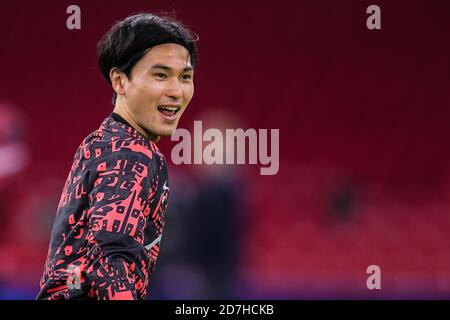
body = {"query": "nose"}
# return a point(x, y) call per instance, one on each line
point(174, 89)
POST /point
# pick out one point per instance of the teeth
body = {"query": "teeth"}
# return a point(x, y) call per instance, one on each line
point(168, 108)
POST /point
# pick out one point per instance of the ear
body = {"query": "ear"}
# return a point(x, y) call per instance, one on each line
point(118, 80)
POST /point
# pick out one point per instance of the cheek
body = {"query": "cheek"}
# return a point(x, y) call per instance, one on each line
point(147, 93)
point(188, 93)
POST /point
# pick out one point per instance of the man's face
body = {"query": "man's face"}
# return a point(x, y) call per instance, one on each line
point(160, 88)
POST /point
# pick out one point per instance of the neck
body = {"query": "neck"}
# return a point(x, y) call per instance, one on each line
point(123, 111)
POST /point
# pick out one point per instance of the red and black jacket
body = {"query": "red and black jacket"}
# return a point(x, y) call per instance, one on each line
point(110, 219)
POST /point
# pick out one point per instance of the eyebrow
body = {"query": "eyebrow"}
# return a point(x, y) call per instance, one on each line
point(161, 66)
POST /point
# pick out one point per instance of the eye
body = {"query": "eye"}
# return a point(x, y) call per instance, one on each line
point(160, 75)
point(186, 77)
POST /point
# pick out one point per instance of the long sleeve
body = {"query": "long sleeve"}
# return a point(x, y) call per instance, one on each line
point(117, 202)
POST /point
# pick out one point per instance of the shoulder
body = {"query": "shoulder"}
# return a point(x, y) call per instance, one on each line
point(113, 141)
point(113, 145)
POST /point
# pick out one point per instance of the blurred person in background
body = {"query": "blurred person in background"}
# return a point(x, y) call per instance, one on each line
point(111, 215)
point(13, 155)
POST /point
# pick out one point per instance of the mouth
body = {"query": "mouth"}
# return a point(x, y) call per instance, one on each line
point(169, 112)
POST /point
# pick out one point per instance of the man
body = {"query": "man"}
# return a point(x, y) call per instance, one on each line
point(110, 219)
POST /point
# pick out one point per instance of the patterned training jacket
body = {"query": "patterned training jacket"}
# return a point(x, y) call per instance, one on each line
point(110, 218)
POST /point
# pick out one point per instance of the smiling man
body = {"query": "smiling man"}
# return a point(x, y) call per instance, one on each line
point(110, 219)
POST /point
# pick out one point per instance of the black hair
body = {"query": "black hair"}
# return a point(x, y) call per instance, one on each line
point(128, 41)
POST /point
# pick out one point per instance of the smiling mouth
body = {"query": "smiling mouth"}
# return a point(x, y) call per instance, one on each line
point(169, 111)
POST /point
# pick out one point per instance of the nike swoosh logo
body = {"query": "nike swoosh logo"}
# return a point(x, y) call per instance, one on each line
point(149, 246)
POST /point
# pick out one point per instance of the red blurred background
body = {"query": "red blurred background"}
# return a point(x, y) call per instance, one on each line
point(364, 160)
